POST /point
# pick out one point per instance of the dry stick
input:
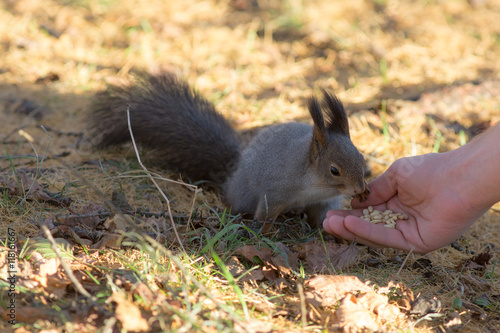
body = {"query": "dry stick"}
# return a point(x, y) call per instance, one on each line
point(107, 214)
point(192, 208)
point(126, 175)
point(156, 176)
point(302, 306)
point(404, 261)
point(16, 130)
point(193, 187)
point(5, 157)
point(160, 247)
point(74, 216)
point(65, 266)
point(154, 181)
point(167, 252)
point(177, 262)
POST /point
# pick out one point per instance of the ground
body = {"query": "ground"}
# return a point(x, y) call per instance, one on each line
point(416, 77)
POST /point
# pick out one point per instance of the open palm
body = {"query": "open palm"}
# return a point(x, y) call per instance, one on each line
point(422, 188)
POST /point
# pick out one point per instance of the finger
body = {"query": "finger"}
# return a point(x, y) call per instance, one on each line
point(376, 233)
point(381, 188)
point(352, 227)
point(344, 212)
point(335, 225)
point(354, 212)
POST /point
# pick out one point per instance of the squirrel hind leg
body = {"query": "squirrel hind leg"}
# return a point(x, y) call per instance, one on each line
point(268, 211)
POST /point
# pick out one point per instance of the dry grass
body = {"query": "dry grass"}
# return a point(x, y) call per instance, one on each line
point(257, 65)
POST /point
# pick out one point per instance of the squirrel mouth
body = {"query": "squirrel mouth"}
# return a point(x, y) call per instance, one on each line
point(360, 192)
point(363, 196)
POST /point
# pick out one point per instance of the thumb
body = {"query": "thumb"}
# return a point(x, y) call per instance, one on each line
point(381, 188)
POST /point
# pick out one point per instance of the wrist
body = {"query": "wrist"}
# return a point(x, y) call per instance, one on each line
point(474, 170)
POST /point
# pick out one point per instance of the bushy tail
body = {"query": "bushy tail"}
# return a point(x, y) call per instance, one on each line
point(184, 129)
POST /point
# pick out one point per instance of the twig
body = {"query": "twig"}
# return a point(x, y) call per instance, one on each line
point(31, 141)
point(4, 140)
point(77, 216)
point(176, 260)
point(192, 208)
point(65, 266)
point(160, 247)
point(193, 187)
point(404, 261)
point(59, 132)
point(302, 306)
point(139, 211)
point(5, 157)
point(154, 181)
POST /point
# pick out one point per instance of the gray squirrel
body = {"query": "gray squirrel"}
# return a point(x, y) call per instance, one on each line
point(290, 166)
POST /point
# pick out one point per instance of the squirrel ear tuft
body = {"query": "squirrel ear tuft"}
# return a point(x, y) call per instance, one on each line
point(319, 131)
point(336, 117)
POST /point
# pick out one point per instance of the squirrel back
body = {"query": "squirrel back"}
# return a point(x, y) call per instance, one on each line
point(183, 129)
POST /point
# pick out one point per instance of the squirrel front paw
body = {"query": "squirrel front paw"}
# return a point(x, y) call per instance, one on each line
point(363, 196)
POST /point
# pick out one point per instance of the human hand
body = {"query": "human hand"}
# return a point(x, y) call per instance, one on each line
point(428, 189)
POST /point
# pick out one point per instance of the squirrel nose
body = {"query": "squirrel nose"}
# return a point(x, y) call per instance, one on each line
point(361, 187)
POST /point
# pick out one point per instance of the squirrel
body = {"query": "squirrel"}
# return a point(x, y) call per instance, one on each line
point(284, 167)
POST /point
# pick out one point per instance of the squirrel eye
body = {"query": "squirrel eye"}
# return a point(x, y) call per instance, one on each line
point(334, 171)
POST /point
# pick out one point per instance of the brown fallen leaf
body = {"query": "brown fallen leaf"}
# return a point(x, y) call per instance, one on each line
point(108, 240)
point(364, 311)
point(379, 305)
point(84, 259)
point(88, 216)
point(269, 270)
point(129, 314)
point(50, 77)
point(30, 314)
point(50, 278)
point(235, 267)
point(254, 325)
point(354, 317)
point(423, 305)
point(144, 292)
point(50, 267)
point(119, 199)
point(251, 253)
point(255, 275)
point(478, 262)
point(454, 324)
point(282, 260)
point(66, 232)
point(270, 273)
point(31, 189)
point(327, 290)
point(320, 257)
point(4, 268)
point(263, 306)
point(285, 259)
point(56, 285)
point(399, 293)
point(117, 222)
